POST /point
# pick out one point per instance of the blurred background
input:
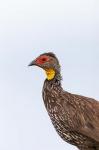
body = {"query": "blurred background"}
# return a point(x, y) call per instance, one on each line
point(70, 29)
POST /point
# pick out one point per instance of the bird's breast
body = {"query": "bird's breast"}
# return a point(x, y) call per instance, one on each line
point(60, 116)
point(56, 113)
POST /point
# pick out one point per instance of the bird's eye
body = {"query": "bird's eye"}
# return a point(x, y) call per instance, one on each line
point(43, 59)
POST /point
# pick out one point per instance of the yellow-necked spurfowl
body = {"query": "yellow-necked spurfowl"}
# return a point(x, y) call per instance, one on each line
point(75, 117)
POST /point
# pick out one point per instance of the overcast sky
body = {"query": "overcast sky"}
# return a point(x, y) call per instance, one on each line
point(70, 28)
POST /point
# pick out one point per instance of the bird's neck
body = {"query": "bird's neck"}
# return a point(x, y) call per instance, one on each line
point(56, 80)
point(51, 89)
point(50, 73)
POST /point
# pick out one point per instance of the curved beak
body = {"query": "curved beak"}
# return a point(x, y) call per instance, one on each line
point(32, 63)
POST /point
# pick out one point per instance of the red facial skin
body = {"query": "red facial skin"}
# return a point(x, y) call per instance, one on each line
point(42, 59)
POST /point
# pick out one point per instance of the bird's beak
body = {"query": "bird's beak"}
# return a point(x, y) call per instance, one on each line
point(32, 63)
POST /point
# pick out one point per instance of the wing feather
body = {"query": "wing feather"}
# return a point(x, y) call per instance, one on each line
point(85, 116)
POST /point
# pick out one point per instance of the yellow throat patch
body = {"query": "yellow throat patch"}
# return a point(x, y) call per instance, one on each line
point(50, 74)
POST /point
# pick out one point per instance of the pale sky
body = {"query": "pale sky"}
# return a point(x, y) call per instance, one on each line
point(28, 28)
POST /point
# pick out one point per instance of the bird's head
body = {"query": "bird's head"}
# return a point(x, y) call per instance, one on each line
point(48, 62)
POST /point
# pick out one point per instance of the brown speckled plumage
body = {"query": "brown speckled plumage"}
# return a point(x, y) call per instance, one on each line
point(75, 117)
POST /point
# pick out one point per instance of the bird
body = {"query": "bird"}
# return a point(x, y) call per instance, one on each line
point(74, 117)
